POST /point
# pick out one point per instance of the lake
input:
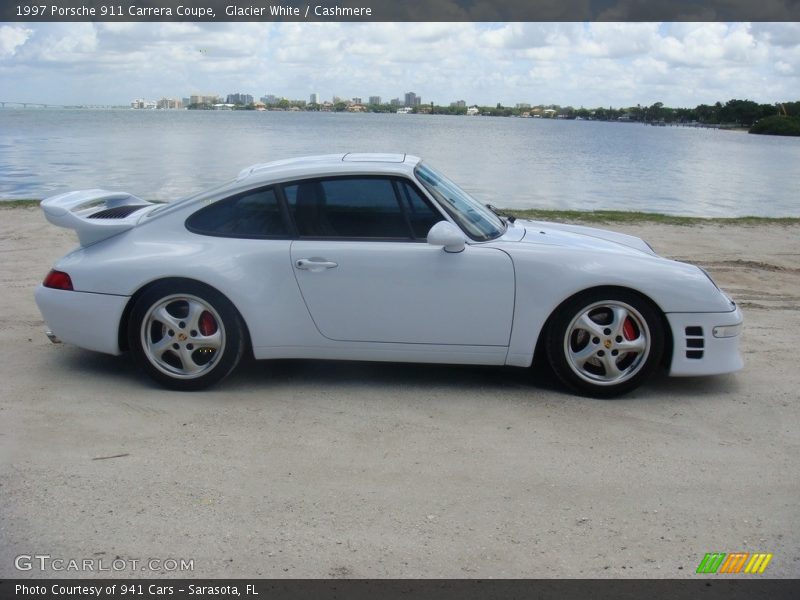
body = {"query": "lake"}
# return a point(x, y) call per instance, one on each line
point(509, 162)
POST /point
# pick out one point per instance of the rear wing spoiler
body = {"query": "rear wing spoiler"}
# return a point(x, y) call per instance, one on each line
point(94, 214)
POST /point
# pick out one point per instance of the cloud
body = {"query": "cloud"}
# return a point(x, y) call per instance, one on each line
point(567, 63)
point(12, 37)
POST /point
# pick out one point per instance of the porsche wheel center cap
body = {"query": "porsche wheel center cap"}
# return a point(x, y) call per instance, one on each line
point(181, 337)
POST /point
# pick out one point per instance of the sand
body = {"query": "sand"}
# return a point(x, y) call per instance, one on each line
point(314, 469)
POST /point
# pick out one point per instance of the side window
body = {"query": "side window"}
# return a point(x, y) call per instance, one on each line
point(420, 213)
point(249, 215)
point(347, 207)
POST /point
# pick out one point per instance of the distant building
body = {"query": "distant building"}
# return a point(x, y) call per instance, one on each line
point(395, 102)
point(314, 98)
point(356, 100)
point(523, 105)
point(142, 103)
point(374, 99)
point(169, 103)
point(458, 104)
point(239, 99)
point(411, 99)
point(270, 99)
point(204, 99)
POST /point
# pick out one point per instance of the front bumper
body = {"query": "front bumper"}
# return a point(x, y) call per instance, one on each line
point(696, 348)
point(83, 319)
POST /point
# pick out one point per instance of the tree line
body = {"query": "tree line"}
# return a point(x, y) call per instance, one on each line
point(780, 117)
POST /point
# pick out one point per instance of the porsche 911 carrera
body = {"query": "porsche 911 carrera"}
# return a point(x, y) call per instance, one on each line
point(375, 257)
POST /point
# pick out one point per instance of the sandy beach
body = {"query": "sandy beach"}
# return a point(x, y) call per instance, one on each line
point(313, 469)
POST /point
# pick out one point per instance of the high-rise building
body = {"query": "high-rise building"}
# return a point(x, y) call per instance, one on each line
point(458, 104)
point(412, 99)
point(239, 99)
point(314, 98)
point(395, 102)
point(356, 100)
point(204, 99)
point(167, 103)
point(270, 99)
point(374, 99)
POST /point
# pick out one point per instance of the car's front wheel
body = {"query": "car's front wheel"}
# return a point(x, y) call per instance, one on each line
point(185, 335)
point(605, 343)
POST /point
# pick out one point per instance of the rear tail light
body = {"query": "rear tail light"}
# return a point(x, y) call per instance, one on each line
point(58, 280)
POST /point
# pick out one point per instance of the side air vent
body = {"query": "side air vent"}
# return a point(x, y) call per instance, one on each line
point(695, 342)
point(119, 212)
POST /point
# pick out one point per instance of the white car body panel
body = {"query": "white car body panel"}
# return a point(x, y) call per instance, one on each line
point(720, 355)
point(384, 300)
point(66, 313)
point(408, 292)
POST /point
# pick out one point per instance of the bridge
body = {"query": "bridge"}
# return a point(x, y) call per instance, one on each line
point(25, 104)
point(4, 103)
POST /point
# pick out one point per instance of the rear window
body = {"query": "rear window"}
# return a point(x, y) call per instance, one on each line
point(254, 214)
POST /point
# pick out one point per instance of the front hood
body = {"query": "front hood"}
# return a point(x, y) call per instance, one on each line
point(573, 236)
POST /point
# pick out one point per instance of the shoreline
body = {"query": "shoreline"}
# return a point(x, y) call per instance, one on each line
point(577, 216)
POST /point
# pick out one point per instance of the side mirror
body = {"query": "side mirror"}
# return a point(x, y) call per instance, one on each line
point(448, 235)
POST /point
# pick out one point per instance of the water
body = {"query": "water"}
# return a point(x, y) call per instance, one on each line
point(515, 163)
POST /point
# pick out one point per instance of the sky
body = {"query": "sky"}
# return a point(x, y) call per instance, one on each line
point(576, 64)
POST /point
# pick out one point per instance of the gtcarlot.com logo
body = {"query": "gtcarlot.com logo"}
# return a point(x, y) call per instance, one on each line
point(45, 562)
point(735, 562)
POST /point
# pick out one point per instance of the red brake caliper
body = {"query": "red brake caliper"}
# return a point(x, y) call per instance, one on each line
point(629, 329)
point(207, 324)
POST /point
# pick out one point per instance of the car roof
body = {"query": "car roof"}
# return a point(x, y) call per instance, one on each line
point(329, 164)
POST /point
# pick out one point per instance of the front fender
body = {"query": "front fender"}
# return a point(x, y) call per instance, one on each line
point(547, 275)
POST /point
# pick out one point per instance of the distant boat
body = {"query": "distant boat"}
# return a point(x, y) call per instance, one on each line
point(405, 110)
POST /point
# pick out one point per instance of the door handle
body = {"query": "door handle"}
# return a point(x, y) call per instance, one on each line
point(314, 264)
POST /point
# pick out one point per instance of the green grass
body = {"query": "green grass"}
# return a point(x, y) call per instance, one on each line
point(19, 203)
point(578, 216)
point(620, 216)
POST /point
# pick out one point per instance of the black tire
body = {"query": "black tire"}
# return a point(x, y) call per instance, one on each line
point(185, 335)
point(605, 342)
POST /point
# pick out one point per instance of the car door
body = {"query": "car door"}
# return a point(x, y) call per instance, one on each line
point(366, 273)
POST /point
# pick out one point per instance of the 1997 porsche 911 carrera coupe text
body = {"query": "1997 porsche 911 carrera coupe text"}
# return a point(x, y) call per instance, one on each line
point(372, 257)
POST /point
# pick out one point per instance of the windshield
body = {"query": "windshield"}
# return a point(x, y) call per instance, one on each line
point(475, 219)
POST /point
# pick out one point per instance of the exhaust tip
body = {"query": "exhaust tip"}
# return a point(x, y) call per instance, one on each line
point(52, 337)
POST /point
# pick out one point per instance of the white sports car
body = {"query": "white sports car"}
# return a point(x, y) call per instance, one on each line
point(372, 257)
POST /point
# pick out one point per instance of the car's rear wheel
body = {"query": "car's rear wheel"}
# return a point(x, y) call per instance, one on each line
point(185, 335)
point(604, 343)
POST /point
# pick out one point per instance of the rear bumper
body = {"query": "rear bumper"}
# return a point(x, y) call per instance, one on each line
point(698, 348)
point(86, 320)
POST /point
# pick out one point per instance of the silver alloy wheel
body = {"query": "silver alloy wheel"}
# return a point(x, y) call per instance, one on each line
point(183, 336)
point(607, 343)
